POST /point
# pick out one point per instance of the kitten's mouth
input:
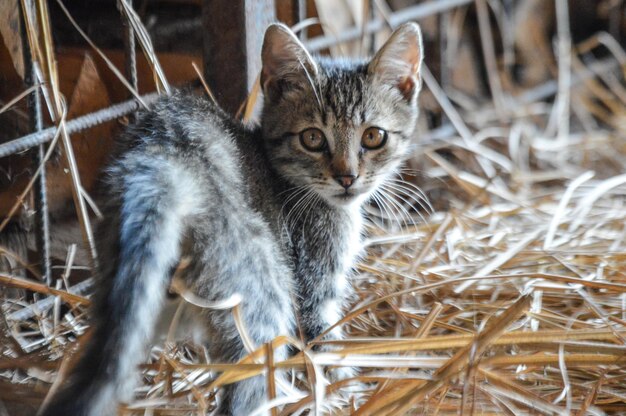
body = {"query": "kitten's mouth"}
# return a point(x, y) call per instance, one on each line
point(346, 197)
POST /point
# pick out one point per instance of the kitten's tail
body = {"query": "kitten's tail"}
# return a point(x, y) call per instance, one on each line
point(145, 230)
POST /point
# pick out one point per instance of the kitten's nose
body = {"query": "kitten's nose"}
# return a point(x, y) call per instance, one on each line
point(345, 180)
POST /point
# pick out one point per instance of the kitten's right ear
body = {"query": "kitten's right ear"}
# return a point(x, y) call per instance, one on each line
point(286, 63)
point(399, 61)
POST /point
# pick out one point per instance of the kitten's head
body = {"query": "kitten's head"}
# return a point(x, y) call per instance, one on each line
point(339, 128)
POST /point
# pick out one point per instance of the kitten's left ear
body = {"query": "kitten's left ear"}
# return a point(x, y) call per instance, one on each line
point(398, 62)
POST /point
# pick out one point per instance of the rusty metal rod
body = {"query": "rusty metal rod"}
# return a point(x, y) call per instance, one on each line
point(130, 55)
point(42, 218)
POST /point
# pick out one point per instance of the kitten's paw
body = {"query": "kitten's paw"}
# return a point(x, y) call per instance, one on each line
point(341, 373)
point(347, 386)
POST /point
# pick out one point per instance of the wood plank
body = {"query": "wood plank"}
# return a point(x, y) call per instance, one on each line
point(233, 35)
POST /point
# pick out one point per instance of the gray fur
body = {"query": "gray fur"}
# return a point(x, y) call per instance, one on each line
point(256, 213)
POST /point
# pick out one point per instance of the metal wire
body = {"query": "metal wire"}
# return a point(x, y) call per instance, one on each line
point(75, 125)
point(82, 288)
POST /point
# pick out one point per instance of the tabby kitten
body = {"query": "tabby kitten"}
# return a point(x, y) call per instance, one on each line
point(271, 213)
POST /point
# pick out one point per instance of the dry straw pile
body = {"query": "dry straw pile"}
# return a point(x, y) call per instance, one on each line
point(507, 297)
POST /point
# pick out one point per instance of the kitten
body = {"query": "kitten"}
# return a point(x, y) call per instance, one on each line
point(265, 212)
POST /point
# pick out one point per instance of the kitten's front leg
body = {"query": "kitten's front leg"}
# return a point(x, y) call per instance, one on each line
point(322, 299)
point(321, 310)
point(323, 271)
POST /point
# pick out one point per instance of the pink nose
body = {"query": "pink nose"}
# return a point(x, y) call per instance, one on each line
point(345, 180)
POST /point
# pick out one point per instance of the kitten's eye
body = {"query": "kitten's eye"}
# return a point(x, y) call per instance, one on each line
point(313, 140)
point(374, 138)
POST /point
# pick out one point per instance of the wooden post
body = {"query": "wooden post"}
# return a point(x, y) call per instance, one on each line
point(233, 35)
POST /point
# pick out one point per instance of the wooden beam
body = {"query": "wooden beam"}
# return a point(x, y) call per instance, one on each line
point(291, 12)
point(233, 35)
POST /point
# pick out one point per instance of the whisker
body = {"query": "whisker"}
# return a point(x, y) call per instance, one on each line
point(414, 172)
point(298, 207)
point(399, 205)
point(301, 193)
point(306, 203)
point(299, 190)
point(383, 213)
point(390, 212)
point(310, 79)
point(379, 215)
point(402, 212)
point(292, 189)
point(409, 193)
point(411, 189)
point(309, 208)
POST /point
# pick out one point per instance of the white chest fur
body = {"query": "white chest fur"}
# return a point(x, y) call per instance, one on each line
point(351, 249)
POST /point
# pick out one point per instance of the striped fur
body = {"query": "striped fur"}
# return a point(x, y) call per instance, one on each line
point(256, 213)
